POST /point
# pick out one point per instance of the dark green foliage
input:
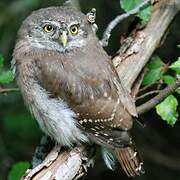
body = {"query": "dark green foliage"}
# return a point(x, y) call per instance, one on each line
point(155, 71)
point(176, 66)
point(18, 170)
point(5, 76)
point(168, 79)
point(1, 62)
point(159, 71)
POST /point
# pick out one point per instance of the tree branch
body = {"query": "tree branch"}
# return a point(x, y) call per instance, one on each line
point(147, 94)
point(118, 19)
point(157, 99)
point(69, 164)
point(131, 63)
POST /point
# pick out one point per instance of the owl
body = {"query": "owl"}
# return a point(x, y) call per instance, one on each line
point(70, 85)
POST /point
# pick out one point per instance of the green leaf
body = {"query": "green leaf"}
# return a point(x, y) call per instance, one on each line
point(18, 170)
point(155, 63)
point(152, 76)
point(155, 71)
point(144, 14)
point(176, 66)
point(6, 77)
point(178, 45)
point(128, 5)
point(168, 110)
point(168, 79)
point(1, 62)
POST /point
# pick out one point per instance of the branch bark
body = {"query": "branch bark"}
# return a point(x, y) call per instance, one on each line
point(129, 64)
point(65, 165)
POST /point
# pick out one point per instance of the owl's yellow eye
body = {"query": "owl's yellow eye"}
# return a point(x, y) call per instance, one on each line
point(48, 28)
point(74, 29)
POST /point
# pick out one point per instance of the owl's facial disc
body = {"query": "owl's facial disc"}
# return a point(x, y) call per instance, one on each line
point(58, 36)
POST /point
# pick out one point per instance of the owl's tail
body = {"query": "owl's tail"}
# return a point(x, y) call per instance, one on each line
point(130, 160)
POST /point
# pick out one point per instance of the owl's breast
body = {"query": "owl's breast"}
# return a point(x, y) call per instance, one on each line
point(72, 81)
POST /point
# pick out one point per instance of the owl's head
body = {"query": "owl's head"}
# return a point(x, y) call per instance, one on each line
point(56, 28)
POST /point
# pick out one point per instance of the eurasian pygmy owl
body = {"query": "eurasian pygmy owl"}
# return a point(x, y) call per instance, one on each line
point(71, 86)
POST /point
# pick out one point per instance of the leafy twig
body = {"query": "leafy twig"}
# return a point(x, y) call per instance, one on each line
point(157, 99)
point(117, 20)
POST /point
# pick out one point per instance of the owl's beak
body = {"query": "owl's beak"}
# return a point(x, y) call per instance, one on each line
point(63, 38)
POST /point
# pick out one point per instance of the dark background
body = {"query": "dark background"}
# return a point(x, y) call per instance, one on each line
point(20, 134)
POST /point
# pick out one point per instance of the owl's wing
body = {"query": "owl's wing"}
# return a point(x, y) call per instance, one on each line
point(125, 97)
point(94, 94)
point(101, 115)
point(105, 121)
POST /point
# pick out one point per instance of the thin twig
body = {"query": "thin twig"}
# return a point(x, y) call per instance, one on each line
point(145, 87)
point(147, 94)
point(160, 83)
point(137, 84)
point(118, 19)
point(7, 90)
point(157, 99)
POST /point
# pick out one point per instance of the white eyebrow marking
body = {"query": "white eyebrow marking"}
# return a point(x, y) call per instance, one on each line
point(55, 23)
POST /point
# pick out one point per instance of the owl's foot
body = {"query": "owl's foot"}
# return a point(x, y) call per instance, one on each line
point(88, 159)
point(87, 163)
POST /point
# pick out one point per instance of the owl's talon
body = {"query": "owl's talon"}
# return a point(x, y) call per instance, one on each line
point(88, 163)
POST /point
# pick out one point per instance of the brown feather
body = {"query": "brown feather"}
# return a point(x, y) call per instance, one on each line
point(130, 161)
